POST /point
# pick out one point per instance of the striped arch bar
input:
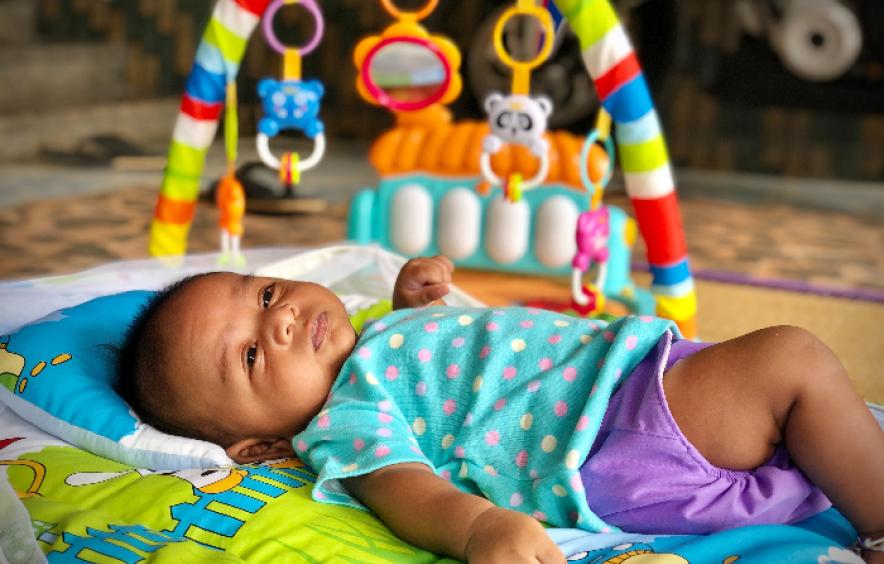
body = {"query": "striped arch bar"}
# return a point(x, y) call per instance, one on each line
point(621, 87)
point(217, 62)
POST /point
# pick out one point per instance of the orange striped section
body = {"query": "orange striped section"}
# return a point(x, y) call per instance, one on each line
point(170, 210)
point(688, 326)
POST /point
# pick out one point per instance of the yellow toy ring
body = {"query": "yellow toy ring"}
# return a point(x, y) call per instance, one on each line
point(524, 8)
point(416, 15)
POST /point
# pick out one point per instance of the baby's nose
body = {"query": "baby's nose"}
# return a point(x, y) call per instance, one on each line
point(285, 324)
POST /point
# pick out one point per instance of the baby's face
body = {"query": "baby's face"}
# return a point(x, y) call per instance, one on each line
point(257, 355)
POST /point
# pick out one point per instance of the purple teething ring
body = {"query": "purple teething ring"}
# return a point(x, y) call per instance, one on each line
point(273, 41)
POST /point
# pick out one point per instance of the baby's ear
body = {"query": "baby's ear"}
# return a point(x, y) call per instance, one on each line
point(247, 451)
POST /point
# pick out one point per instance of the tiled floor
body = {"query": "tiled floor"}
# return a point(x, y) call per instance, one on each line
point(731, 224)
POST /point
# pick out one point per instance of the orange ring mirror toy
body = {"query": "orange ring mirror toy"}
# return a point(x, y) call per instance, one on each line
point(407, 69)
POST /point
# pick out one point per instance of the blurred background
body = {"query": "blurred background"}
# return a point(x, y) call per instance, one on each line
point(736, 93)
point(773, 112)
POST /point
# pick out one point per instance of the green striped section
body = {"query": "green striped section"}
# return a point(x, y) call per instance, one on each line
point(185, 160)
point(590, 19)
point(644, 157)
point(182, 177)
point(231, 45)
point(180, 187)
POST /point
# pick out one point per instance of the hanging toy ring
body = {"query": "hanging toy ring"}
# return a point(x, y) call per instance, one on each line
point(416, 15)
point(525, 185)
point(543, 17)
point(267, 157)
point(270, 35)
point(591, 140)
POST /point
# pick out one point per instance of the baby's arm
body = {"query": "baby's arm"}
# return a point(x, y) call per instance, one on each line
point(422, 281)
point(428, 511)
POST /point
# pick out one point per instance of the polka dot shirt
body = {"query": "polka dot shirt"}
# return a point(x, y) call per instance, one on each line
point(504, 403)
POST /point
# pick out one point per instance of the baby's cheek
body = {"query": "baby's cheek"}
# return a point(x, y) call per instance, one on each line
point(343, 341)
point(348, 339)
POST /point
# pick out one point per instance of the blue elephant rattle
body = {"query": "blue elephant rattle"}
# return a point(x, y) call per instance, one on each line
point(291, 104)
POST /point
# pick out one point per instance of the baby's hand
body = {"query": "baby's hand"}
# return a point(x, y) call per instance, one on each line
point(501, 535)
point(422, 281)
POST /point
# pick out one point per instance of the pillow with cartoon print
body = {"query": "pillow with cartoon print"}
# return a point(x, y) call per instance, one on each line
point(58, 373)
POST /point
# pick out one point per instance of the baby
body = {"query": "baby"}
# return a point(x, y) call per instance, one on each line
point(464, 428)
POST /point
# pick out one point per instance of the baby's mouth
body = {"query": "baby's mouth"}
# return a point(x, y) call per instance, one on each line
point(318, 329)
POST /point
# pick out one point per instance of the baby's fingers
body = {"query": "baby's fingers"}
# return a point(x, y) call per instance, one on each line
point(434, 292)
point(446, 263)
point(441, 268)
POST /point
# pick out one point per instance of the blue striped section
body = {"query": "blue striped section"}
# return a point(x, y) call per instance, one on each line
point(210, 58)
point(555, 13)
point(672, 274)
point(629, 102)
point(643, 129)
point(676, 290)
point(206, 86)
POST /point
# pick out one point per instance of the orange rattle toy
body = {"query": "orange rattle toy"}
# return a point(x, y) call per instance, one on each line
point(230, 197)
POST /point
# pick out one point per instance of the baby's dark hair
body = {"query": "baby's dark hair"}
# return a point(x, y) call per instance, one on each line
point(143, 374)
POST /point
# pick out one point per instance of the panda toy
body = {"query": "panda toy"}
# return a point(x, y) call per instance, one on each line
point(518, 120)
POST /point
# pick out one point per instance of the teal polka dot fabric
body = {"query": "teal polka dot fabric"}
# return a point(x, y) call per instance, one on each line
point(504, 403)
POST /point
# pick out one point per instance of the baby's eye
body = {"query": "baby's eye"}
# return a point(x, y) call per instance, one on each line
point(251, 355)
point(267, 295)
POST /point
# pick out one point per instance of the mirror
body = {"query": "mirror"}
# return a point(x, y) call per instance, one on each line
point(406, 73)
